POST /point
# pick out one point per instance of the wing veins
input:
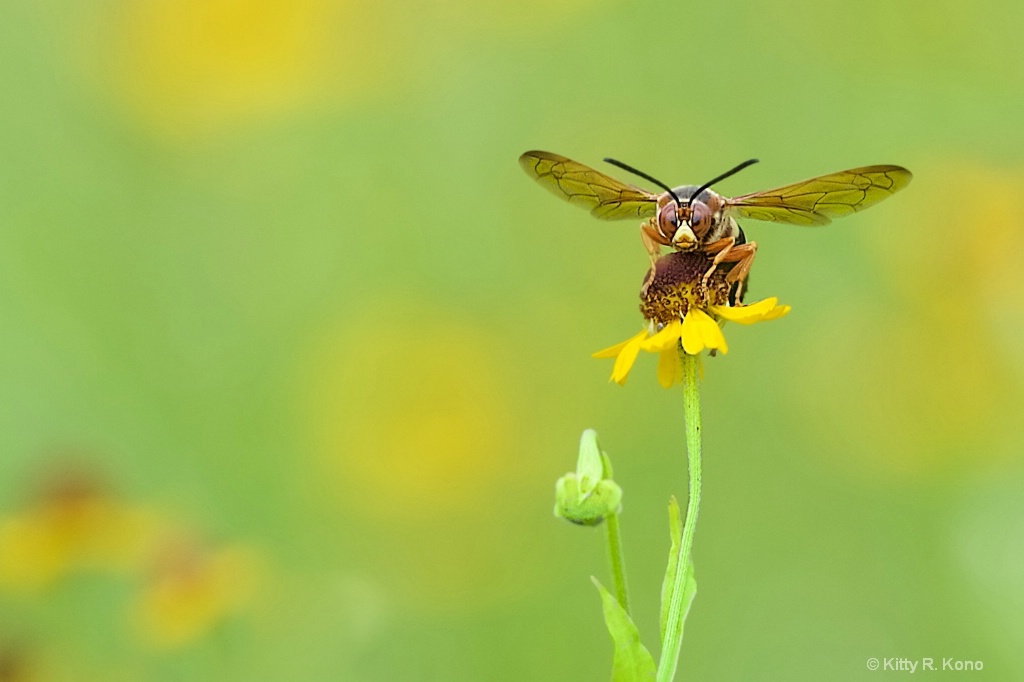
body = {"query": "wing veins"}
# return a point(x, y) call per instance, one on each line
point(818, 200)
point(607, 198)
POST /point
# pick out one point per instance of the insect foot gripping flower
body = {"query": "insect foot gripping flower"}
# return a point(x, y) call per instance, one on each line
point(682, 311)
point(589, 495)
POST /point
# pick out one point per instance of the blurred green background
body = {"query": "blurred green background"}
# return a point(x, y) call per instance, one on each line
point(292, 351)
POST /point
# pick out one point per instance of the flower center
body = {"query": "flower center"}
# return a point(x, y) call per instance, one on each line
point(674, 284)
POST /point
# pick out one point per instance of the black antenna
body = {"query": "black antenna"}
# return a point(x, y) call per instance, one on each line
point(647, 177)
point(723, 176)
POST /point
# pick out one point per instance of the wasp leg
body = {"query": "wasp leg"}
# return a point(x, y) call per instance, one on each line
point(742, 256)
point(721, 248)
point(652, 240)
point(738, 292)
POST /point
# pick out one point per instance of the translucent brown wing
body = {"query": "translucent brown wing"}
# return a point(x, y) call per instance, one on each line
point(817, 201)
point(606, 197)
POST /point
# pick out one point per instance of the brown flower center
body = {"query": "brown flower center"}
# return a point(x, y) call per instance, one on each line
point(674, 284)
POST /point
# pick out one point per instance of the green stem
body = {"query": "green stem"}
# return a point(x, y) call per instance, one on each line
point(677, 609)
point(618, 564)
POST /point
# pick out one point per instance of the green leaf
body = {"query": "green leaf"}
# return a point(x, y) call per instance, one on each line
point(632, 662)
point(689, 592)
point(675, 531)
point(675, 526)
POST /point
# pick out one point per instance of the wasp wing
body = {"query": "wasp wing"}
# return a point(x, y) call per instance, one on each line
point(606, 197)
point(818, 200)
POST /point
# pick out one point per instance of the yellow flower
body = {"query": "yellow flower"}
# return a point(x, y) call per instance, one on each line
point(193, 591)
point(683, 312)
point(74, 526)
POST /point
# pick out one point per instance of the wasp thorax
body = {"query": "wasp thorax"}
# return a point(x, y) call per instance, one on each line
point(674, 284)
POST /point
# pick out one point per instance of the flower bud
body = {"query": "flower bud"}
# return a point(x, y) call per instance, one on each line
point(588, 495)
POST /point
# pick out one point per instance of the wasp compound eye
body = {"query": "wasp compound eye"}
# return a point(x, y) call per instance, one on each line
point(700, 217)
point(667, 220)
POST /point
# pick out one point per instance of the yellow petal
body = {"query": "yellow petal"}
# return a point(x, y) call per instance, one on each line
point(710, 331)
point(776, 313)
point(626, 358)
point(613, 351)
point(768, 309)
point(693, 340)
point(670, 370)
point(667, 338)
point(742, 313)
point(762, 306)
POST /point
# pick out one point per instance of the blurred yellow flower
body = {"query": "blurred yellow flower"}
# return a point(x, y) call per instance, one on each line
point(73, 527)
point(682, 312)
point(192, 591)
point(948, 369)
point(416, 425)
point(17, 664)
point(398, 414)
point(188, 67)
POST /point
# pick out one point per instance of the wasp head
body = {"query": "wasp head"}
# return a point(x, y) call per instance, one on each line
point(672, 224)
